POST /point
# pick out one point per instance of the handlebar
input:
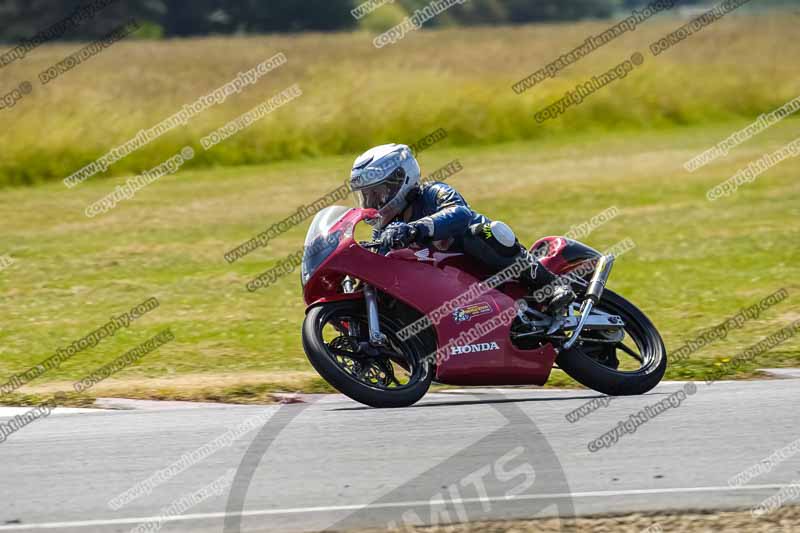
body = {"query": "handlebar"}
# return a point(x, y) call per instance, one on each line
point(376, 245)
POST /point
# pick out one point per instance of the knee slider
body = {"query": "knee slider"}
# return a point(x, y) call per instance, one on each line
point(497, 233)
point(503, 234)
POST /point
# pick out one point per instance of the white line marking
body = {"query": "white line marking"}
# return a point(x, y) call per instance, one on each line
point(390, 505)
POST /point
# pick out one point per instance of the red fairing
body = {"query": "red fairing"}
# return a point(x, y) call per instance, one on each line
point(562, 255)
point(553, 260)
point(475, 347)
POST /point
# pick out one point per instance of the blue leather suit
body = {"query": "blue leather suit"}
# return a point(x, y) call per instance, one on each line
point(449, 213)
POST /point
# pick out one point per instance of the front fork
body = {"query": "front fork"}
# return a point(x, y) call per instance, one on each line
point(376, 338)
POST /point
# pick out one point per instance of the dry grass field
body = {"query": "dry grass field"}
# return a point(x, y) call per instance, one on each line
point(355, 95)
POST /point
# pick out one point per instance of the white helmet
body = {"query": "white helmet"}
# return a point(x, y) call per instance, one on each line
point(383, 178)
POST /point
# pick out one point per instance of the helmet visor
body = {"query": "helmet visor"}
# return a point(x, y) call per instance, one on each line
point(379, 195)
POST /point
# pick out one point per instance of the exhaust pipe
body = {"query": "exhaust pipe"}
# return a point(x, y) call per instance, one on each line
point(601, 273)
point(593, 294)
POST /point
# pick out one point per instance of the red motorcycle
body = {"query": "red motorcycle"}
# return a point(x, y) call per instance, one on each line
point(382, 325)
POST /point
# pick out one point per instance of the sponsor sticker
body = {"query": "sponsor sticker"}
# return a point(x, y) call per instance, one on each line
point(465, 314)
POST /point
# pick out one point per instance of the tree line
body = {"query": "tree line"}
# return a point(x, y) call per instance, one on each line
point(22, 19)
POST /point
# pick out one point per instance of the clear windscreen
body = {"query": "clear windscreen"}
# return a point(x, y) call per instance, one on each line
point(324, 221)
point(320, 242)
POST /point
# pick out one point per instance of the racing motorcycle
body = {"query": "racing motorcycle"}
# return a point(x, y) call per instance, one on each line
point(381, 325)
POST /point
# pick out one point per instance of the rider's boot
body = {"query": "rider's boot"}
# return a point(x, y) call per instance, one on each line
point(547, 288)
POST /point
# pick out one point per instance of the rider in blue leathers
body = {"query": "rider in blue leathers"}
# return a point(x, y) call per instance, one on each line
point(387, 178)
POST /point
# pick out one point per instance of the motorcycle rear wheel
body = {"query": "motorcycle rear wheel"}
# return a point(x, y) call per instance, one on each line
point(595, 368)
point(398, 377)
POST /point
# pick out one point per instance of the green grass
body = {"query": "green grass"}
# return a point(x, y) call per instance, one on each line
point(696, 263)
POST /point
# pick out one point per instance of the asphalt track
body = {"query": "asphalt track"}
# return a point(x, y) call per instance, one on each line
point(330, 463)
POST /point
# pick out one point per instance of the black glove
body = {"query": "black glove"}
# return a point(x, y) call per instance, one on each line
point(399, 235)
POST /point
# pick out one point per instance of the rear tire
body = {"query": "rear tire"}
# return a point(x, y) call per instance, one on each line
point(593, 374)
point(323, 360)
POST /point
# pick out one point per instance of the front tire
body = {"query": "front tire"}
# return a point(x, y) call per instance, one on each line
point(348, 371)
point(596, 369)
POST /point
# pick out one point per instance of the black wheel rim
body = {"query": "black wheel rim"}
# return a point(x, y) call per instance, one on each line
point(635, 353)
point(396, 366)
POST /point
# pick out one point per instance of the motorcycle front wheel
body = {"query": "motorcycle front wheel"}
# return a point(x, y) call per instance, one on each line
point(335, 340)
